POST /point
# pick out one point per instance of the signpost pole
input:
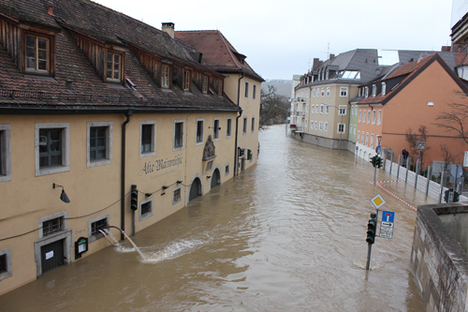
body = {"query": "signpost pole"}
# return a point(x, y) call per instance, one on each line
point(369, 252)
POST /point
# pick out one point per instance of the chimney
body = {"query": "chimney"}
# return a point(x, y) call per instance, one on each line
point(446, 49)
point(168, 28)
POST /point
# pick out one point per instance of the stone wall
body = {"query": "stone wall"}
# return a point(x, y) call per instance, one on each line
point(439, 262)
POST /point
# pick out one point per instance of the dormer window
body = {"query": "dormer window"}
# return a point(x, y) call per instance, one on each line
point(186, 80)
point(366, 91)
point(164, 76)
point(38, 54)
point(114, 66)
point(384, 88)
point(374, 90)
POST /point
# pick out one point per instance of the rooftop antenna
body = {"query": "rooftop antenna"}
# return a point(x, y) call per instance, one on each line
point(328, 51)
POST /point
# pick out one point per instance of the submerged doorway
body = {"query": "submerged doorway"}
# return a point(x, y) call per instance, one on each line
point(52, 255)
point(195, 189)
point(215, 178)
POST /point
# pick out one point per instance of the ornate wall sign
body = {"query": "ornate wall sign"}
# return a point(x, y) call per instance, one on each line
point(209, 150)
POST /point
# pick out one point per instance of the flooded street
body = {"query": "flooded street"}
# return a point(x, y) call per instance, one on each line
point(287, 235)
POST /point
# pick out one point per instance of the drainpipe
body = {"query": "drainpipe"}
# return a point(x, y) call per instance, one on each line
point(122, 174)
point(237, 124)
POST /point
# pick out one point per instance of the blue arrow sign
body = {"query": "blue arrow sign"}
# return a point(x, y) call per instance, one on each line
point(388, 216)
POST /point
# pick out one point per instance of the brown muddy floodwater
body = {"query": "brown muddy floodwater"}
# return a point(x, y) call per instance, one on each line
point(286, 235)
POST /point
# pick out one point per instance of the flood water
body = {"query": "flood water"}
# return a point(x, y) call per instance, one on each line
point(286, 235)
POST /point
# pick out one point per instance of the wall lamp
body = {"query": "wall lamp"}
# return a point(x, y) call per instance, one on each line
point(63, 195)
point(208, 177)
point(178, 182)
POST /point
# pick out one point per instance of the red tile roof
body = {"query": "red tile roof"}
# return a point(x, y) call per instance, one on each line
point(218, 53)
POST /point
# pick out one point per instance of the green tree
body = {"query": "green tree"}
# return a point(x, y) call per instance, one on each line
point(273, 107)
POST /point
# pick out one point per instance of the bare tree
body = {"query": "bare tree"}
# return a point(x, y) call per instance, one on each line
point(413, 139)
point(273, 107)
point(456, 120)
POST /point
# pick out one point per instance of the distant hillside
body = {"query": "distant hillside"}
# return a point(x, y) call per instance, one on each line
point(283, 87)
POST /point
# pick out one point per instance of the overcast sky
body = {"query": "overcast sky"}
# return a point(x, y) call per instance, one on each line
point(280, 38)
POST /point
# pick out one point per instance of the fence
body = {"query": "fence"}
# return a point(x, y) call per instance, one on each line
point(424, 184)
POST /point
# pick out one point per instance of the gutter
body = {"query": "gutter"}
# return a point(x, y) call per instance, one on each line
point(237, 124)
point(128, 114)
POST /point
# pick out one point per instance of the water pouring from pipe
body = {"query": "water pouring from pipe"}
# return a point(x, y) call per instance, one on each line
point(129, 239)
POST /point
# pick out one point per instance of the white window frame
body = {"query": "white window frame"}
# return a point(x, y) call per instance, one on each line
point(358, 136)
point(246, 90)
point(65, 148)
point(5, 150)
point(91, 237)
point(368, 116)
point(367, 138)
point(366, 92)
point(325, 126)
point(327, 109)
point(323, 92)
point(216, 131)
point(379, 118)
point(153, 138)
point(178, 148)
point(313, 92)
point(228, 127)
point(338, 128)
point(342, 110)
point(384, 88)
point(148, 214)
point(320, 126)
point(343, 91)
point(165, 76)
point(359, 117)
point(374, 90)
point(373, 117)
point(202, 120)
point(176, 200)
point(306, 123)
point(321, 109)
point(316, 125)
point(254, 91)
point(328, 90)
point(372, 141)
point(108, 159)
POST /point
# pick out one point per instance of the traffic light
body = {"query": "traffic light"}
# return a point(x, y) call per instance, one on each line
point(373, 160)
point(134, 198)
point(379, 162)
point(371, 229)
point(456, 196)
point(249, 154)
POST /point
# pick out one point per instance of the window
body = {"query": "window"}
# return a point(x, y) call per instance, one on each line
point(316, 125)
point(99, 144)
point(343, 92)
point(177, 195)
point(200, 128)
point(328, 91)
point(229, 127)
point(5, 154)
point(341, 128)
point(372, 141)
point(362, 138)
point(366, 91)
point(311, 125)
point(359, 118)
point(147, 138)
point(254, 92)
point(313, 92)
point(216, 129)
point(368, 116)
point(320, 126)
point(96, 224)
point(307, 108)
point(323, 92)
point(146, 209)
point(325, 127)
point(5, 263)
point(246, 89)
point(164, 76)
point(321, 109)
point(367, 139)
point(38, 56)
point(226, 169)
point(253, 125)
point(358, 136)
point(327, 109)
point(52, 148)
point(244, 126)
point(178, 135)
point(205, 85)
point(113, 67)
point(379, 118)
point(384, 88)
point(52, 226)
point(342, 110)
point(374, 90)
point(373, 117)
point(354, 130)
point(186, 85)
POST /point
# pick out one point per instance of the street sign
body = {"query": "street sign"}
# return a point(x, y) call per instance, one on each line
point(387, 224)
point(420, 145)
point(456, 171)
point(378, 201)
point(377, 150)
point(465, 160)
